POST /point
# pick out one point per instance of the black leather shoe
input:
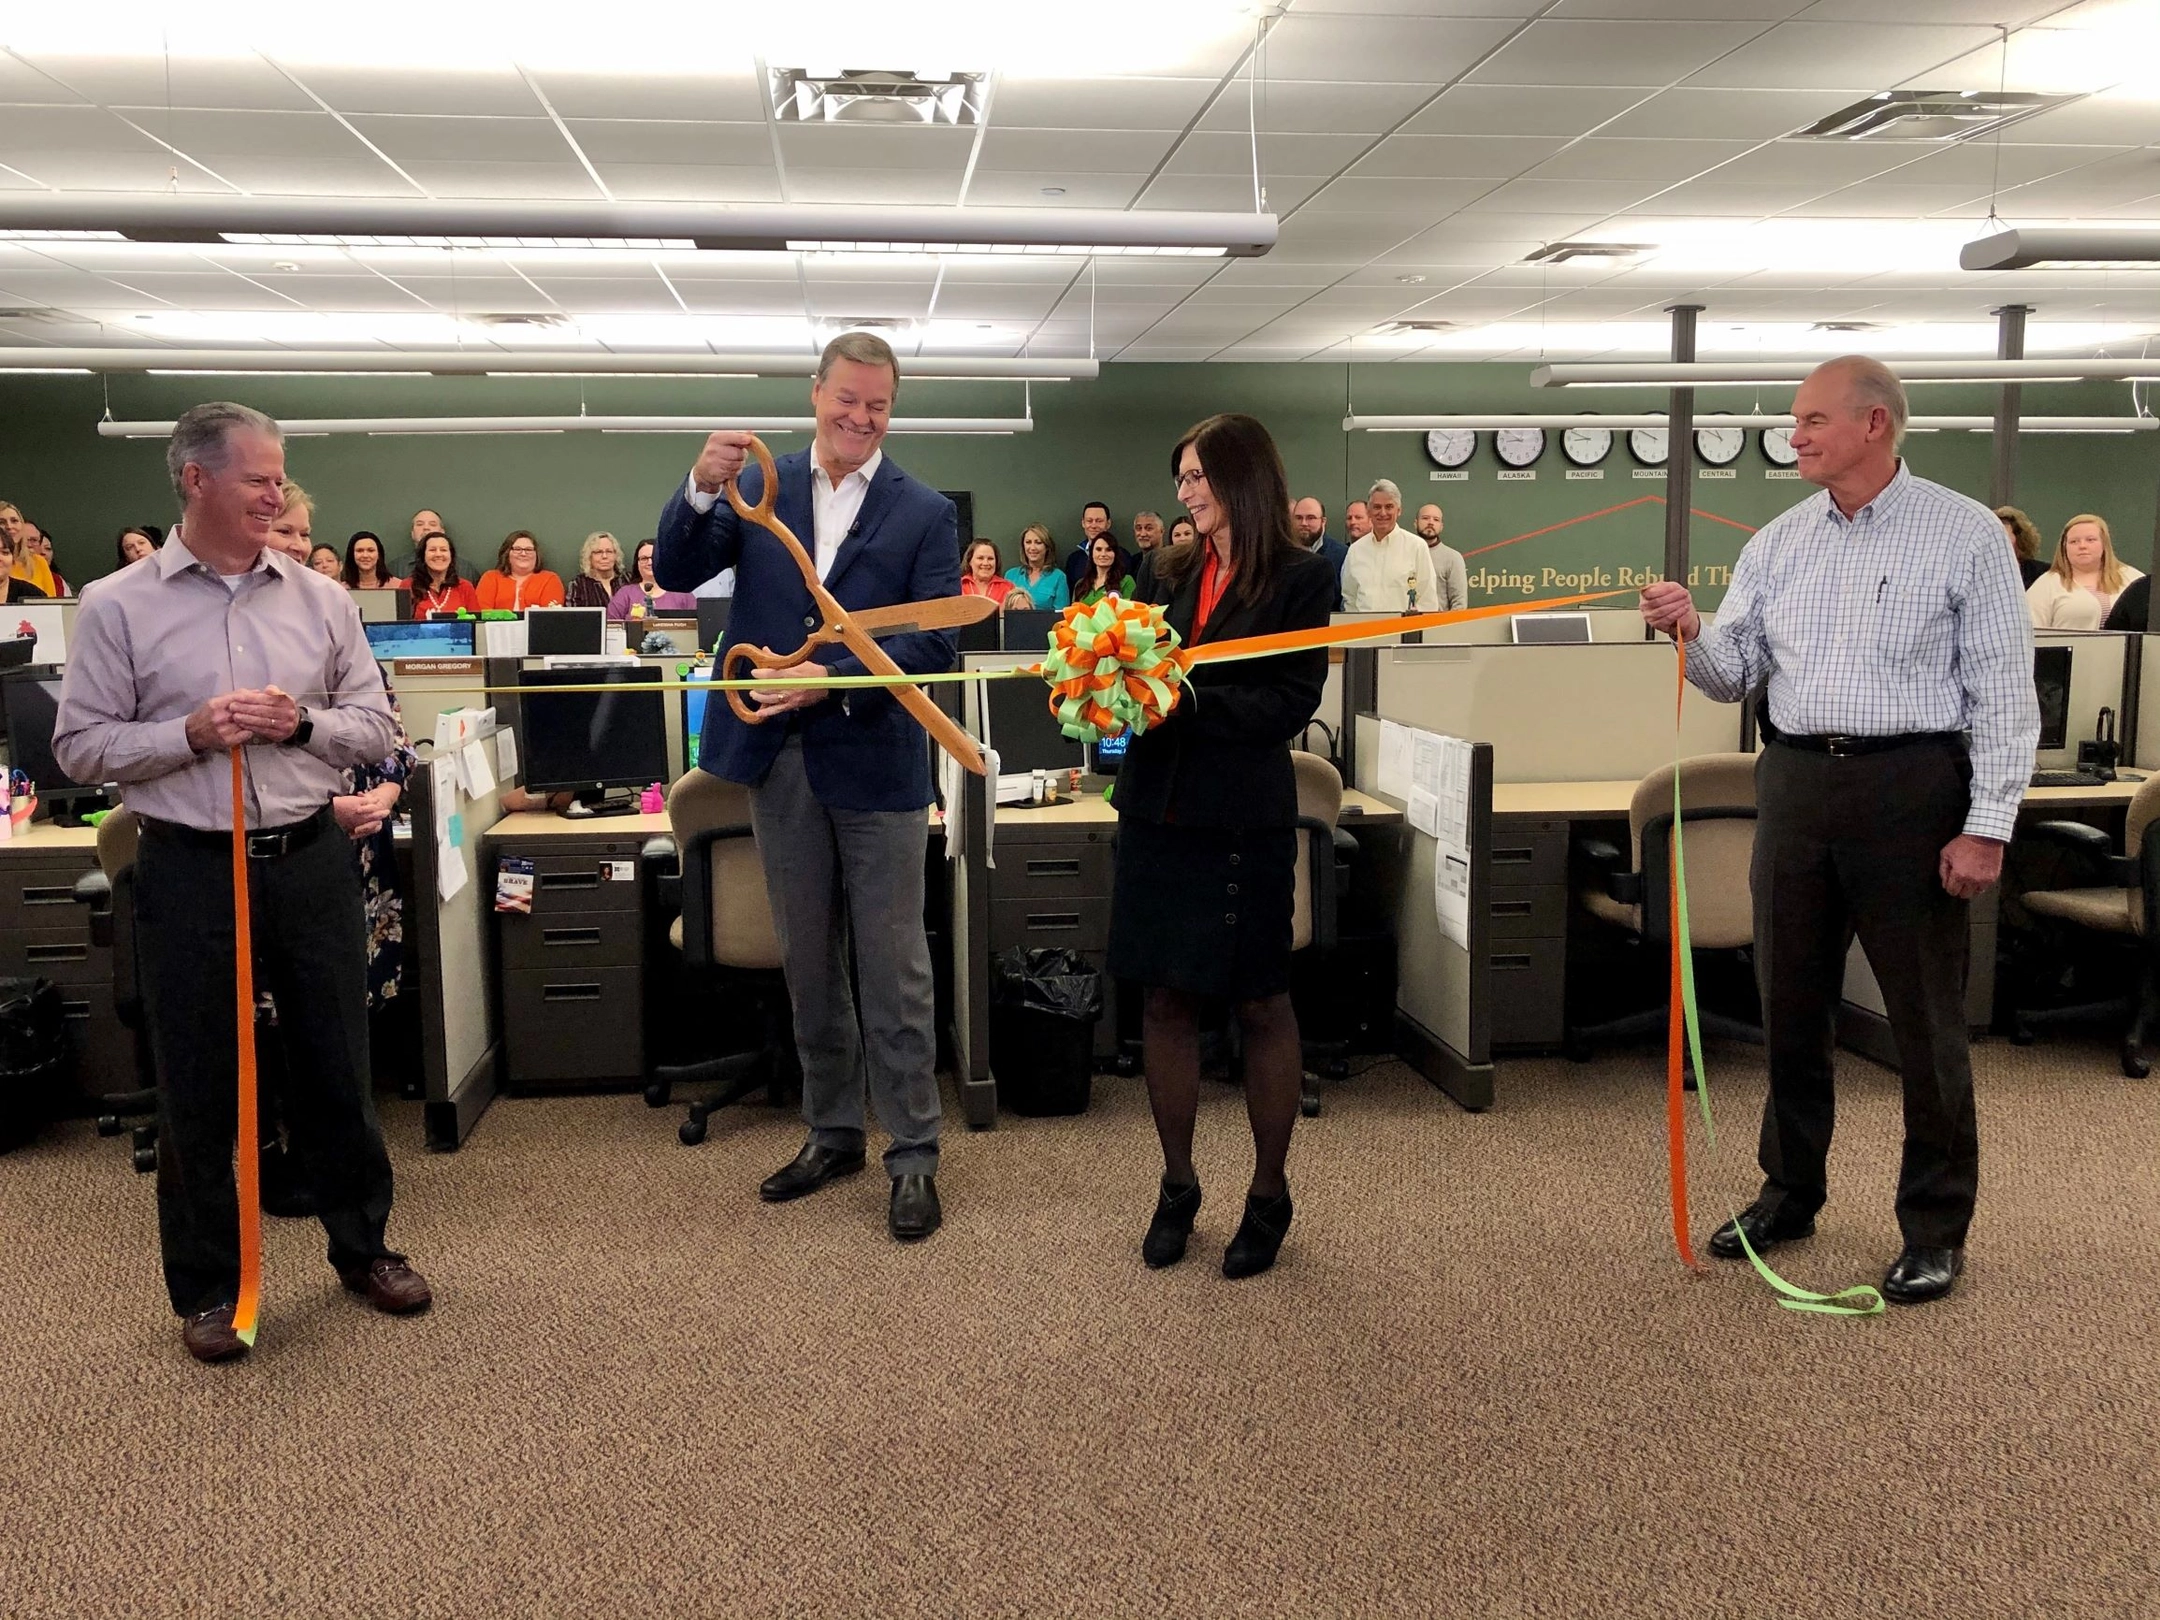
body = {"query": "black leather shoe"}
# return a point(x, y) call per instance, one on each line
point(811, 1169)
point(1259, 1236)
point(915, 1213)
point(1922, 1274)
point(1167, 1233)
point(1765, 1229)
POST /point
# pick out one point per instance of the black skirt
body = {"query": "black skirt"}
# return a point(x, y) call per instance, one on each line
point(1206, 910)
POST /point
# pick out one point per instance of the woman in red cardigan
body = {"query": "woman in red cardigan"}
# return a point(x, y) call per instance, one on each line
point(436, 585)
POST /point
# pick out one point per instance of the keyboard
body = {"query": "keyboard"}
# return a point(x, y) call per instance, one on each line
point(2067, 779)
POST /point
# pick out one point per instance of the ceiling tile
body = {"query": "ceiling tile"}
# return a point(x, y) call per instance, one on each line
point(1506, 109)
point(1413, 200)
point(1881, 201)
point(1766, 11)
point(624, 140)
point(1231, 192)
point(1822, 164)
point(610, 296)
point(1138, 103)
point(1207, 153)
point(23, 136)
point(207, 134)
point(697, 97)
point(2102, 120)
point(1002, 189)
point(1612, 53)
point(565, 180)
point(811, 147)
point(1807, 56)
point(23, 85)
point(1436, 157)
point(414, 138)
point(866, 186)
point(272, 174)
point(1559, 196)
point(2014, 13)
point(1406, 50)
point(1296, 107)
point(1747, 115)
point(1717, 197)
point(194, 82)
point(1073, 150)
point(741, 297)
point(691, 182)
point(1639, 160)
point(145, 169)
point(475, 94)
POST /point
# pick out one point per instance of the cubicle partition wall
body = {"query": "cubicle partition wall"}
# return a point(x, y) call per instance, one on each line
point(2097, 668)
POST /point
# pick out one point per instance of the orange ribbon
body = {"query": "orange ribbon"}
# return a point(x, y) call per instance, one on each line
point(248, 1307)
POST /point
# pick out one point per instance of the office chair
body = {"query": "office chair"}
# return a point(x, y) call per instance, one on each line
point(725, 933)
point(1322, 876)
point(1633, 895)
point(2126, 892)
point(109, 892)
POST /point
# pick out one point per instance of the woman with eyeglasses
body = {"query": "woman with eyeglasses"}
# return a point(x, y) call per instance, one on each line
point(642, 597)
point(600, 572)
point(1207, 828)
point(517, 580)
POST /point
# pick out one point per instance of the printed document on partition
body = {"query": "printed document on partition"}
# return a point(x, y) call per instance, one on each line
point(476, 768)
point(1394, 778)
point(1451, 893)
point(442, 779)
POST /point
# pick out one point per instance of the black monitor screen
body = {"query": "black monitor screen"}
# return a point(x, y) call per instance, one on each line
point(1024, 731)
point(33, 705)
point(712, 617)
point(565, 631)
point(577, 741)
point(2051, 680)
point(424, 638)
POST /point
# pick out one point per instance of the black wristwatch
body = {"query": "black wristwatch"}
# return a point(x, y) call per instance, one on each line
point(303, 731)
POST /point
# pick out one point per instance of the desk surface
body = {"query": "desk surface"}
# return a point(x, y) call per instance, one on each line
point(1601, 800)
point(43, 838)
point(549, 824)
point(1358, 810)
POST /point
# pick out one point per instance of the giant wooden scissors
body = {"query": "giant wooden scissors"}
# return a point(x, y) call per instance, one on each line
point(855, 631)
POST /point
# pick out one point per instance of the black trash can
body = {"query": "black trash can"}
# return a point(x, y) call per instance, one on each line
point(1043, 1009)
point(33, 1058)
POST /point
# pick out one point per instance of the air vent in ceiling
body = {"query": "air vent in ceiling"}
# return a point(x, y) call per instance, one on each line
point(1929, 115)
point(1846, 326)
point(875, 96)
point(869, 323)
point(26, 316)
point(535, 322)
point(1393, 328)
point(1561, 252)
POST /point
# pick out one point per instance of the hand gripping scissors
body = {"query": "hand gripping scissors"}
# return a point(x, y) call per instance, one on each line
point(856, 631)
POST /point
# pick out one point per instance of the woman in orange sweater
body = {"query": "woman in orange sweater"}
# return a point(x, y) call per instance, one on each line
point(517, 580)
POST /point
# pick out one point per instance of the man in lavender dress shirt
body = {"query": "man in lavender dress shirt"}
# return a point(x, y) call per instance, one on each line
point(221, 641)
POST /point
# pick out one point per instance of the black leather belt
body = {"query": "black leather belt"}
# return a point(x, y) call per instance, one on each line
point(263, 844)
point(1850, 747)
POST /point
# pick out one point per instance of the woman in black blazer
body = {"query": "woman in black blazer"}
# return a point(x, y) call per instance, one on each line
point(1207, 840)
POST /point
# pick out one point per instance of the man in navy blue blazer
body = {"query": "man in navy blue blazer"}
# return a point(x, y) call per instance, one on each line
point(1309, 519)
point(839, 781)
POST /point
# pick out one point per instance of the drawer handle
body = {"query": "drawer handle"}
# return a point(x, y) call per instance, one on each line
point(1053, 868)
point(569, 936)
point(75, 1012)
point(1513, 857)
point(58, 953)
point(1511, 908)
point(1510, 964)
point(1062, 921)
point(47, 895)
point(569, 880)
point(570, 992)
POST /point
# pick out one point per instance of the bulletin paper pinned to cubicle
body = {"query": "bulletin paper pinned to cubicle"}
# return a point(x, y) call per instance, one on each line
point(1439, 806)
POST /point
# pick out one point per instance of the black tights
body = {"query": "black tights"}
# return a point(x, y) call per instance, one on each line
point(1274, 1080)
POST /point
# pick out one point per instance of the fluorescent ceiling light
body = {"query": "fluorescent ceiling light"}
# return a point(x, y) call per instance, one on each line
point(2069, 247)
point(503, 363)
point(1622, 421)
point(1698, 374)
point(405, 222)
point(1781, 338)
point(422, 426)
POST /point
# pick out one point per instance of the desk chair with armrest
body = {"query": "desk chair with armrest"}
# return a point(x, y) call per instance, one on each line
point(2124, 894)
point(109, 892)
point(725, 933)
point(1718, 823)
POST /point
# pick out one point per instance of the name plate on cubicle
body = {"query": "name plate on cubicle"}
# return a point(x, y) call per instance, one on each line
point(436, 666)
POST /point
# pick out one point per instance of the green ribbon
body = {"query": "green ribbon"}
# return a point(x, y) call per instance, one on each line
point(1072, 658)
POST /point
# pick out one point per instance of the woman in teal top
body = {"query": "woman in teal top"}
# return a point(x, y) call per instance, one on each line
point(1102, 577)
point(1039, 575)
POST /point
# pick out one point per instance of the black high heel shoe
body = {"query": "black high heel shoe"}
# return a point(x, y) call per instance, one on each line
point(1259, 1235)
point(1175, 1208)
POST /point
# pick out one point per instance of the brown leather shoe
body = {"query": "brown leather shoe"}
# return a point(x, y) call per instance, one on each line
point(209, 1335)
point(391, 1286)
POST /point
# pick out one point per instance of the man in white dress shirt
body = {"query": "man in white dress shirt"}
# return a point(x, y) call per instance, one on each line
point(1391, 569)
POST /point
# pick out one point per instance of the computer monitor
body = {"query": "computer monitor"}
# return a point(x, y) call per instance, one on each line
point(565, 631)
point(375, 604)
point(1548, 629)
point(419, 638)
point(693, 716)
point(1024, 731)
point(1026, 630)
point(712, 619)
point(589, 742)
point(2051, 683)
point(30, 700)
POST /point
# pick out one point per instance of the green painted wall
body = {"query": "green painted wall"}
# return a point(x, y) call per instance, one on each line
point(1107, 440)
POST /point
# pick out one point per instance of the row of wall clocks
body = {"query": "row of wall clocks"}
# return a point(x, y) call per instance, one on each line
point(1588, 446)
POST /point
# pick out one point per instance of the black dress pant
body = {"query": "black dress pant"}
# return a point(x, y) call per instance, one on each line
point(1853, 845)
point(311, 951)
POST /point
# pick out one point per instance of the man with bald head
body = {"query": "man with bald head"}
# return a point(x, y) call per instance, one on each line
point(1308, 520)
point(1448, 565)
point(1356, 522)
point(1887, 617)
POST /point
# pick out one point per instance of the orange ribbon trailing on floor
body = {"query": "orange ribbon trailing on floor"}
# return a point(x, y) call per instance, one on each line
point(248, 1308)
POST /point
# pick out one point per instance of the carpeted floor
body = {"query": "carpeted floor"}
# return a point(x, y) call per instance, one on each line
point(1478, 1384)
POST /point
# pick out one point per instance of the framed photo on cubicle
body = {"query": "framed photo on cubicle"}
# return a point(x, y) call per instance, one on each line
point(1549, 629)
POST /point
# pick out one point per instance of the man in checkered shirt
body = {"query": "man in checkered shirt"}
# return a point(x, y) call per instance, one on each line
point(1887, 617)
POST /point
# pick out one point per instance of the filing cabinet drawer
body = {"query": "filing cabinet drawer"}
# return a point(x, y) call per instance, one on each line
point(1525, 853)
point(63, 955)
point(104, 1047)
point(1053, 872)
point(563, 1027)
point(580, 881)
point(1018, 826)
point(1528, 992)
point(554, 940)
point(1076, 924)
point(42, 895)
point(1534, 913)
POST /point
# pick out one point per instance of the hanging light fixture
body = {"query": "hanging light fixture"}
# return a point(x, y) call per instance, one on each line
point(428, 426)
point(505, 363)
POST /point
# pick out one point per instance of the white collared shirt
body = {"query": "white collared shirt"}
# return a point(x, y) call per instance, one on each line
point(1390, 574)
point(833, 510)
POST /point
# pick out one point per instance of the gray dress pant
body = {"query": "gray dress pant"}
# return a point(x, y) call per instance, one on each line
point(842, 877)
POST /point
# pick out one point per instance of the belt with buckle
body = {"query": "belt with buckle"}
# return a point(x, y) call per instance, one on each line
point(1848, 747)
point(263, 844)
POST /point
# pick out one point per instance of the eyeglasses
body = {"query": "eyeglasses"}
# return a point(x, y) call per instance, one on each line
point(524, 551)
point(1185, 480)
